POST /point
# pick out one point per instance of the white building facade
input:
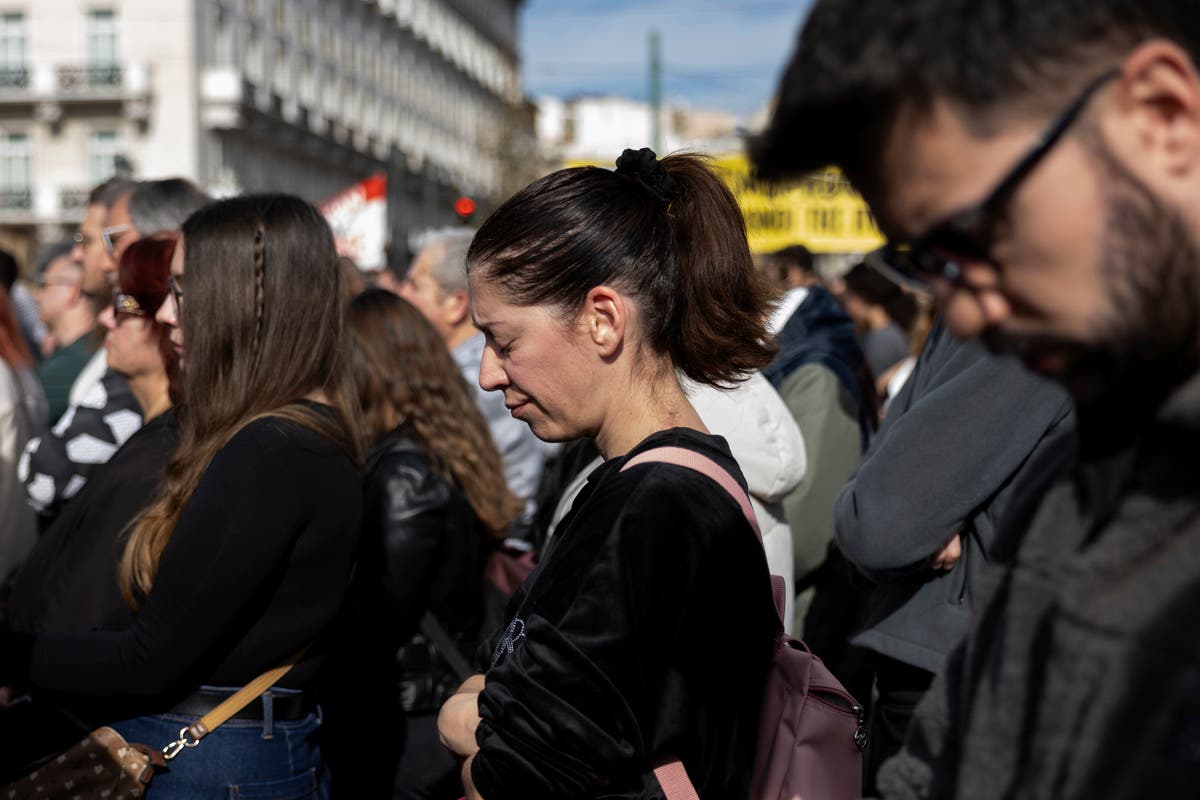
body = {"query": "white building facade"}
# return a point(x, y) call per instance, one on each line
point(599, 128)
point(303, 96)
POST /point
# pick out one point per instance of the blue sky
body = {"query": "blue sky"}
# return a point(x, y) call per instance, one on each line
point(724, 54)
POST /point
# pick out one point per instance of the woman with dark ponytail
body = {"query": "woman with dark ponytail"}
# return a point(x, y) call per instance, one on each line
point(646, 631)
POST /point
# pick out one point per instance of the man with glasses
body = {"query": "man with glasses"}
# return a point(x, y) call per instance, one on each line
point(149, 207)
point(1038, 163)
point(119, 230)
point(90, 251)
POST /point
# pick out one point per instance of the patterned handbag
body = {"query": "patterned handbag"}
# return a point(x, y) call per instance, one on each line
point(104, 766)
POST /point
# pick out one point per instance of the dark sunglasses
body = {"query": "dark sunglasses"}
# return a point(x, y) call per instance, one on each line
point(127, 304)
point(968, 234)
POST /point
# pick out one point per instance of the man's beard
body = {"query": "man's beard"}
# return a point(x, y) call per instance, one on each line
point(1149, 334)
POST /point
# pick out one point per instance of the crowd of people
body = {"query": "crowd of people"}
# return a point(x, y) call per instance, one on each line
point(225, 453)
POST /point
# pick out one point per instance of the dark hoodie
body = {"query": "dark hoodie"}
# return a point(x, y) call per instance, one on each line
point(819, 332)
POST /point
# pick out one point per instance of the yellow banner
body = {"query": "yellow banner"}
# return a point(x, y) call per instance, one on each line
point(820, 211)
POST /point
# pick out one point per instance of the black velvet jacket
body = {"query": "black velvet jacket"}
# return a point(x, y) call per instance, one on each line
point(646, 631)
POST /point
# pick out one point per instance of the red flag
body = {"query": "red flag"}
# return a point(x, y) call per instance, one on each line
point(358, 217)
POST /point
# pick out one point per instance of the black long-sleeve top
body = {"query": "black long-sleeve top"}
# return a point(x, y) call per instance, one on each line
point(255, 570)
point(646, 631)
point(68, 584)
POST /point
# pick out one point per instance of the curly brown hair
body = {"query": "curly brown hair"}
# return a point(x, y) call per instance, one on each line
point(405, 375)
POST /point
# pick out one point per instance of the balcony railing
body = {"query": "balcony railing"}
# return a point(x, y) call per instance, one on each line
point(75, 79)
point(73, 198)
point(16, 199)
point(14, 78)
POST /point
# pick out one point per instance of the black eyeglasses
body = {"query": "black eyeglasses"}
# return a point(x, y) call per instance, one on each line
point(176, 292)
point(127, 304)
point(968, 234)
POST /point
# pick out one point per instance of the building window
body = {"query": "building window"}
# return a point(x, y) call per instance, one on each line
point(223, 38)
point(15, 178)
point(104, 147)
point(306, 30)
point(102, 48)
point(327, 42)
point(255, 64)
point(14, 71)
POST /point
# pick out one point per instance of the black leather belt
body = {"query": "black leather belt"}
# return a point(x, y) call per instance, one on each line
point(285, 707)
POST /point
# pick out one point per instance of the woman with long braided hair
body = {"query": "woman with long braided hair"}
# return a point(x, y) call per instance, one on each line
point(241, 563)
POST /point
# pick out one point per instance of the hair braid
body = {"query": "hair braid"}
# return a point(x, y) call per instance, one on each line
point(260, 269)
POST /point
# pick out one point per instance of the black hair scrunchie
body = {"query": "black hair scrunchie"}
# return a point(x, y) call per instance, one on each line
point(645, 168)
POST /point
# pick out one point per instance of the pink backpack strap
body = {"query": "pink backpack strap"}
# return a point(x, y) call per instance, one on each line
point(673, 779)
point(672, 776)
point(682, 457)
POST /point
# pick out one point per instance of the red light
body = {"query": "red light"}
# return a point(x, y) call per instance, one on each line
point(464, 207)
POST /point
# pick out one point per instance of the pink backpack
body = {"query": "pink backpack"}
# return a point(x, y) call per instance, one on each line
point(810, 730)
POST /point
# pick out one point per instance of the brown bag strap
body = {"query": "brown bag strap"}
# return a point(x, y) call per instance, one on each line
point(191, 735)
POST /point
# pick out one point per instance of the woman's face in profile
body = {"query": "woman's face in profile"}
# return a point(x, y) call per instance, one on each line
point(130, 341)
point(168, 313)
point(544, 366)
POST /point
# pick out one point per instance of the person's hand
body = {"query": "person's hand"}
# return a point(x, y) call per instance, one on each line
point(7, 693)
point(473, 684)
point(459, 718)
point(948, 556)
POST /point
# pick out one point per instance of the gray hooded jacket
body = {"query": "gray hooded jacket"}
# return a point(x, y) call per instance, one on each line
point(968, 432)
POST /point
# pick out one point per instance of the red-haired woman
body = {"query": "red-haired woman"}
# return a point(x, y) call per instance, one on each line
point(22, 414)
point(70, 580)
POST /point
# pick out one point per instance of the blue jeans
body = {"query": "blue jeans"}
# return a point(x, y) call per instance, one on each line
point(241, 760)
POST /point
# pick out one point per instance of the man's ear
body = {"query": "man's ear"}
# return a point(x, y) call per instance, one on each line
point(78, 296)
point(1156, 117)
point(605, 317)
point(457, 307)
